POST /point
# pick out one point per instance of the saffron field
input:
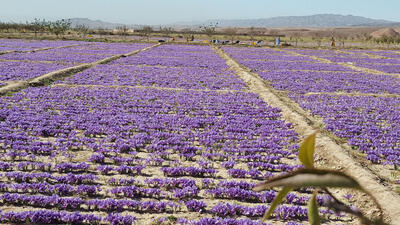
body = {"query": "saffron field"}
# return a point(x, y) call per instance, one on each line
point(172, 135)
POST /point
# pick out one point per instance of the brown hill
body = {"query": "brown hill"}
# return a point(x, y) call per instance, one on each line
point(397, 29)
point(388, 32)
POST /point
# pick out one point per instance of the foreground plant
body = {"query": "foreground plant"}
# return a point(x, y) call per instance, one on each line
point(320, 179)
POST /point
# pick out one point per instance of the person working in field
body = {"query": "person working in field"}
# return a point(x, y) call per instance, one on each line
point(333, 44)
point(278, 41)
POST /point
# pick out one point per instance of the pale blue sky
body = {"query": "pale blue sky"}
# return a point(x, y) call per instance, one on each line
point(169, 11)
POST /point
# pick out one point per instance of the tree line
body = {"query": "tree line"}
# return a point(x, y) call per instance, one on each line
point(58, 27)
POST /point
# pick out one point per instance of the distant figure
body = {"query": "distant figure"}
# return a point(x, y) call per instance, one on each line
point(192, 38)
point(333, 44)
point(278, 41)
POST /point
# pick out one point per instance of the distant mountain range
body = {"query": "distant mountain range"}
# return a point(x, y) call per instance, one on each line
point(319, 20)
point(95, 24)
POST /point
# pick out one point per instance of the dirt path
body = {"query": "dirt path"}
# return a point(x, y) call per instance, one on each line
point(329, 152)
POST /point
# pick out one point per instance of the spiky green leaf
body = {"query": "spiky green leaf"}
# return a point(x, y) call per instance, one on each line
point(310, 178)
point(313, 213)
point(306, 151)
point(278, 199)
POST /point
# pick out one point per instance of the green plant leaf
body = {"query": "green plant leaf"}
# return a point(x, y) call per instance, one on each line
point(313, 213)
point(310, 178)
point(306, 151)
point(278, 199)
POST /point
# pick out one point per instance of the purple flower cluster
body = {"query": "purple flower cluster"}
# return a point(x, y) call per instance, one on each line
point(198, 68)
point(195, 206)
point(391, 68)
point(140, 152)
point(71, 167)
point(118, 219)
point(138, 122)
point(262, 61)
point(186, 192)
point(27, 65)
point(177, 56)
point(69, 178)
point(21, 70)
point(371, 124)
point(134, 192)
point(307, 81)
point(77, 54)
point(188, 171)
point(28, 45)
point(240, 194)
point(48, 217)
point(389, 64)
point(220, 221)
point(282, 212)
point(49, 189)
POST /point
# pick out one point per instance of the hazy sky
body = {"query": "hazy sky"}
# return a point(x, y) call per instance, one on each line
point(170, 11)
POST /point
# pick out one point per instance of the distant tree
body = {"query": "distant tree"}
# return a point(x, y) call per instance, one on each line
point(166, 30)
point(59, 27)
point(147, 30)
point(342, 38)
point(231, 32)
point(387, 40)
point(103, 31)
point(295, 36)
point(9, 26)
point(366, 36)
point(317, 36)
point(123, 30)
point(82, 30)
point(210, 29)
point(186, 30)
point(38, 26)
point(253, 32)
point(273, 32)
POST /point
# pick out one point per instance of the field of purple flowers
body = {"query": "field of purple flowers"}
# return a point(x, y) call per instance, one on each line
point(363, 108)
point(171, 135)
